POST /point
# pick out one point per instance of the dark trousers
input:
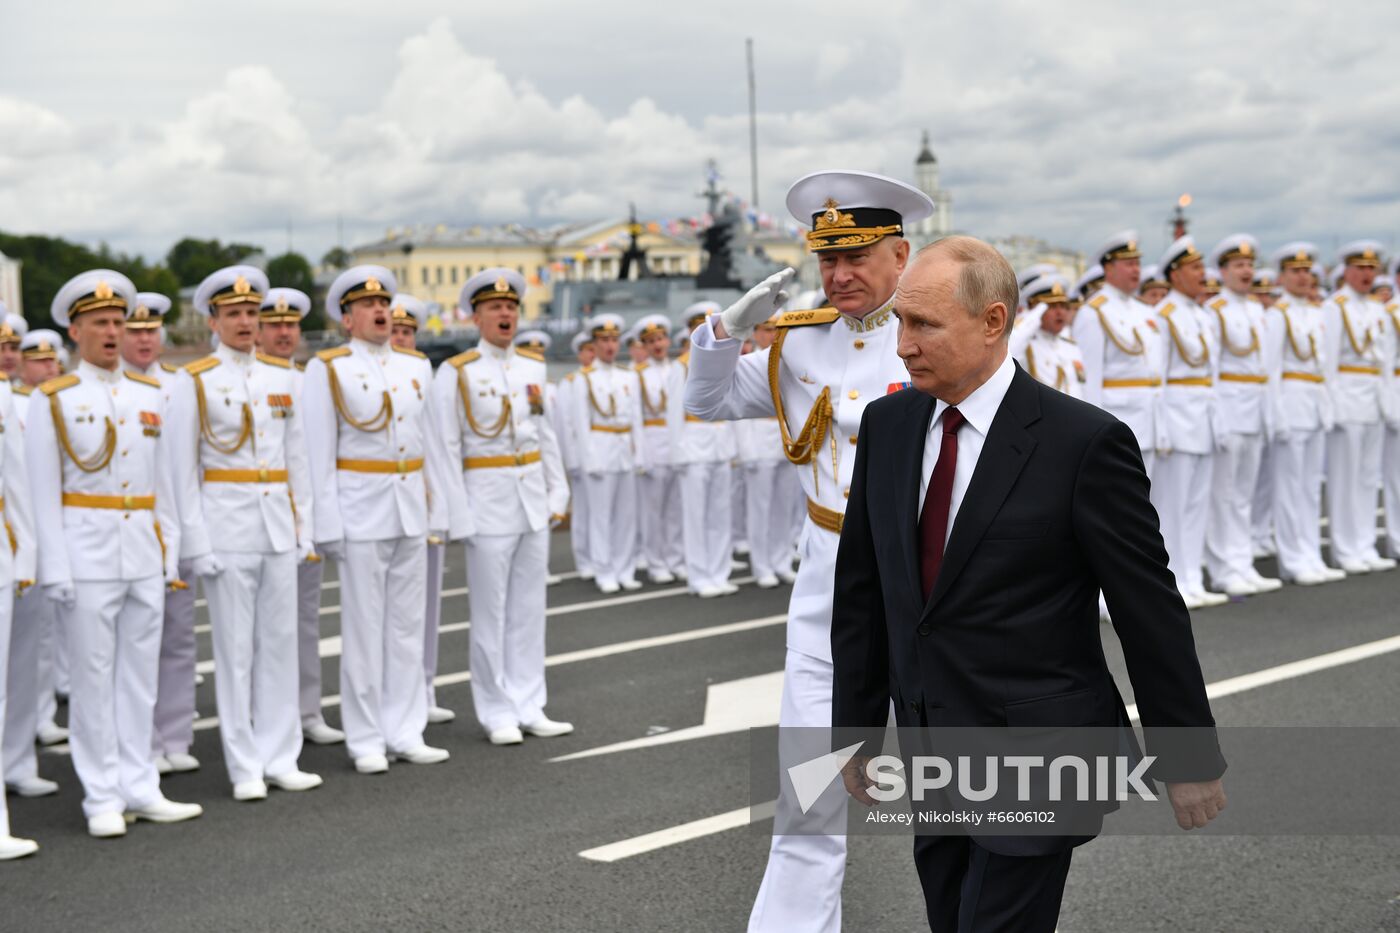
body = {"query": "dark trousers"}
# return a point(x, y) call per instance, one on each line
point(968, 889)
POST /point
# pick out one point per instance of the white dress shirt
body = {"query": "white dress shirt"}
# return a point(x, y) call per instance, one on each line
point(978, 410)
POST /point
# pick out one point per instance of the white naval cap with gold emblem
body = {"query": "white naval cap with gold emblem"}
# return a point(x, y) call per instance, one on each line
point(654, 324)
point(1047, 289)
point(150, 311)
point(1300, 254)
point(1265, 281)
point(487, 284)
point(1091, 277)
point(537, 340)
point(603, 324)
point(359, 282)
point(1382, 282)
point(408, 311)
point(41, 345)
point(1362, 253)
point(1152, 277)
point(696, 314)
point(94, 290)
point(581, 338)
point(1032, 272)
point(1182, 252)
point(284, 304)
point(1234, 246)
point(12, 327)
point(1122, 245)
point(850, 210)
point(230, 285)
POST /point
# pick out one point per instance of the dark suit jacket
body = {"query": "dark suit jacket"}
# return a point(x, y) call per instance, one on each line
point(1056, 510)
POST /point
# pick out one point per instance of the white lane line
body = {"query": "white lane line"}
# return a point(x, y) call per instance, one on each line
point(330, 646)
point(637, 845)
point(587, 654)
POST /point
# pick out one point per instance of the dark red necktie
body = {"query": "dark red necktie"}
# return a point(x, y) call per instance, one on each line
point(933, 521)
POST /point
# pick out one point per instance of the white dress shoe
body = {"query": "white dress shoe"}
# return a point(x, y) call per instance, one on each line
point(106, 826)
point(787, 576)
point(423, 755)
point(547, 728)
point(12, 847)
point(1236, 586)
point(250, 790)
point(1331, 574)
point(1207, 599)
point(161, 810)
point(728, 589)
point(631, 585)
point(507, 735)
point(1354, 566)
point(294, 780)
point(372, 764)
point(33, 786)
point(322, 734)
point(50, 734)
point(586, 575)
point(1308, 578)
point(1380, 563)
point(663, 577)
point(607, 587)
point(1263, 584)
point(438, 715)
point(163, 765)
point(767, 582)
point(709, 592)
point(181, 762)
point(1191, 600)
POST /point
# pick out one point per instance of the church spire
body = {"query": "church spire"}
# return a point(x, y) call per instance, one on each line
point(925, 153)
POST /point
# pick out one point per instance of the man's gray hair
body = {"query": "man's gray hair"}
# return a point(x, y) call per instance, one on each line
point(985, 277)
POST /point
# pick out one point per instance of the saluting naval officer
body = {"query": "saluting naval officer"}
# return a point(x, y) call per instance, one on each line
point(1038, 341)
point(239, 460)
point(493, 410)
point(607, 419)
point(104, 507)
point(375, 451)
point(662, 546)
point(1293, 342)
point(566, 431)
point(823, 369)
point(279, 335)
point(12, 331)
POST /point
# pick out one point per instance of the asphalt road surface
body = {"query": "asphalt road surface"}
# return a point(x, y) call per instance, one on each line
point(491, 840)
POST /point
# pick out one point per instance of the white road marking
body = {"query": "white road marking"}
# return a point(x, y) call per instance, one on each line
point(638, 845)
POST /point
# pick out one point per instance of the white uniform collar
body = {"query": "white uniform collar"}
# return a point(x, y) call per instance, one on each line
point(375, 350)
point(491, 351)
point(109, 376)
point(875, 319)
point(229, 355)
point(1115, 290)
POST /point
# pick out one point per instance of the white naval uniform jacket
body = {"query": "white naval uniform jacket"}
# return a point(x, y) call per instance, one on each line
point(1389, 346)
point(1243, 391)
point(84, 543)
point(823, 355)
point(504, 448)
point(1293, 348)
point(239, 456)
point(1351, 334)
point(693, 439)
point(1187, 408)
point(657, 391)
point(759, 440)
point(1120, 355)
point(388, 393)
point(607, 418)
point(562, 414)
point(18, 561)
point(1049, 358)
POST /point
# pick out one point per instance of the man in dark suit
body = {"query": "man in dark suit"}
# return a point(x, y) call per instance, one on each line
point(986, 513)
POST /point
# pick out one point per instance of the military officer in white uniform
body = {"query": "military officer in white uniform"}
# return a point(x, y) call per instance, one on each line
point(607, 419)
point(279, 335)
point(494, 416)
point(767, 490)
point(1353, 351)
point(1039, 342)
point(375, 452)
point(824, 367)
point(566, 431)
point(1293, 346)
point(662, 547)
point(1119, 345)
point(108, 540)
point(1181, 490)
point(539, 342)
point(239, 460)
point(1390, 448)
point(12, 331)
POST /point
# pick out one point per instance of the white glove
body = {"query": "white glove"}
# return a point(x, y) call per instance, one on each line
point(206, 566)
point(332, 550)
point(305, 552)
point(757, 305)
point(62, 594)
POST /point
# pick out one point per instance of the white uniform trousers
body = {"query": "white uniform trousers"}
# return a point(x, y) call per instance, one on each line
point(1261, 509)
point(1229, 544)
point(45, 676)
point(766, 512)
point(507, 602)
point(113, 634)
point(662, 547)
point(1390, 489)
point(739, 496)
point(1297, 486)
point(383, 707)
point(310, 575)
point(20, 691)
point(252, 613)
point(578, 526)
point(432, 617)
point(7, 606)
point(707, 494)
point(801, 887)
point(173, 729)
point(612, 525)
point(62, 678)
point(1353, 450)
point(1181, 495)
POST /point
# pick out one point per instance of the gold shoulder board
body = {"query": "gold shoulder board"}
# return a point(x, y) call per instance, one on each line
point(462, 359)
point(58, 384)
point(334, 353)
point(1280, 306)
point(1167, 309)
point(1098, 301)
point(569, 377)
point(168, 368)
point(530, 355)
point(803, 318)
point(200, 366)
point(1218, 303)
point(417, 353)
point(274, 361)
point(23, 390)
point(638, 367)
point(144, 379)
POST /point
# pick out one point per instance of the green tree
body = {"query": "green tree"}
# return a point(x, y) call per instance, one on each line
point(337, 258)
point(291, 270)
point(192, 259)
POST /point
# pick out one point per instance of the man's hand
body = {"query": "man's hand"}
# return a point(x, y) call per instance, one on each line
point(758, 304)
point(1196, 803)
point(306, 552)
point(854, 776)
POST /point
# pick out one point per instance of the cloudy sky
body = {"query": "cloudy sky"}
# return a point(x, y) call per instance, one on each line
point(141, 122)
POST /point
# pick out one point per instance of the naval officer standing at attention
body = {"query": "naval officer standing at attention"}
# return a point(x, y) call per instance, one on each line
point(822, 370)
